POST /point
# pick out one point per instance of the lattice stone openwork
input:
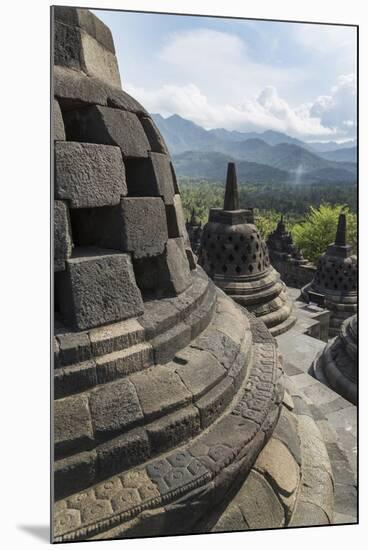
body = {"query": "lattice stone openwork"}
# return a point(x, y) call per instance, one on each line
point(235, 256)
point(335, 281)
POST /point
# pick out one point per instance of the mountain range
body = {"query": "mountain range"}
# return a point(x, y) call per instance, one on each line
point(260, 157)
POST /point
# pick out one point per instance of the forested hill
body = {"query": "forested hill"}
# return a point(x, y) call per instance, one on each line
point(267, 156)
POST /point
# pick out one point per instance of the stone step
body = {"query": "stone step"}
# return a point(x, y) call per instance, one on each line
point(208, 465)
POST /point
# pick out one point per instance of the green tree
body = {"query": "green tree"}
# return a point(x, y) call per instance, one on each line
point(319, 229)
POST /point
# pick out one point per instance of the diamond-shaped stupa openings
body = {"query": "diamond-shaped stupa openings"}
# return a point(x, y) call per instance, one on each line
point(236, 257)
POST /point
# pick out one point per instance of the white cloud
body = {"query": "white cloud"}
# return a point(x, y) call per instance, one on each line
point(337, 111)
point(328, 117)
point(220, 64)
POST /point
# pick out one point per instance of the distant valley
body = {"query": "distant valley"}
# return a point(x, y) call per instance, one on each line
point(261, 157)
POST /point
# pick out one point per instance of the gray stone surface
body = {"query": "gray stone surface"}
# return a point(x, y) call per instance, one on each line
point(164, 275)
point(74, 347)
point(74, 473)
point(99, 288)
point(173, 429)
point(86, 20)
point(124, 227)
point(115, 407)
point(151, 177)
point(153, 134)
point(72, 425)
point(263, 510)
point(109, 126)
point(159, 389)
point(62, 234)
point(89, 175)
point(144, 239)
point(198, 370)
point(58, 123)
point(122, 452)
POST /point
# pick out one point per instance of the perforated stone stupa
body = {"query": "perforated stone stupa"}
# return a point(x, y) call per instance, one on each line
point(337, 365)
point(235, 256)
point(170, 413)
point(335, 282)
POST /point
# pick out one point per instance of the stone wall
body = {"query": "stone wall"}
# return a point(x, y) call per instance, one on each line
point(294, 274)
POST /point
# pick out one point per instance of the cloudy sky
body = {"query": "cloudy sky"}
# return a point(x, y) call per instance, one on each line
point(241, 75)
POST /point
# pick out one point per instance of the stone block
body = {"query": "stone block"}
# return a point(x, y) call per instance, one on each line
point(116, 337)
point(199, 370)
point(215, 401)
point(74, 379)
point(150, 177)
point(287, 432)
point(258, 503)
point(141, 238)
point(167, 344)
point(98, 124)
point(72, 425)
point(174, 428)
point(67, 46)
point(74, 473)
point(62, 235)
point(115, 408)
point(160, 390)
point(278, 465)
point(86, 20)
point(123, 227)
point(307, 514)
point(89, 175)
point(74, 89)
point(58, 123)
point(156, 140)
point(122, 453)
point(99, 62)
point(120, 363)
point(165, 275)
point(74, 347)
point(98, 287)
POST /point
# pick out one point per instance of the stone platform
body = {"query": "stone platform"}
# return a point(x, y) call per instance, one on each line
point(335, 417)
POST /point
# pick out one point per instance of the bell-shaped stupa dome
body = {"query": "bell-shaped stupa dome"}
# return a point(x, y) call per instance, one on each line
point(335, 281)
point(337, 365)
point(236, 257)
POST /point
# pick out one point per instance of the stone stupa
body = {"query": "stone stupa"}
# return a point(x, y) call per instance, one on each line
point(281, 247)
point(337, 365)
point(335, 282)
point(235, 256)
point(170, 414)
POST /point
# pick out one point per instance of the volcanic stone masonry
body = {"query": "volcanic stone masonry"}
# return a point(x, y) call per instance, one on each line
point(170, 413)
point(334, 284)
point(294, 269)
point(235, 256)
point(194, 229)
point(337, 365)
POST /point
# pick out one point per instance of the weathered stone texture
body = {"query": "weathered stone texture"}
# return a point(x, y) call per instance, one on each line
point(99, 288)
point(89, 175)
point(109, 126)
point(58, 123)
point(167, 274)
point(151, 177)
point(114, 408)
point(62, 235)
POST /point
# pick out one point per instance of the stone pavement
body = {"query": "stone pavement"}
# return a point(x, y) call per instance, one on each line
point(335, 416)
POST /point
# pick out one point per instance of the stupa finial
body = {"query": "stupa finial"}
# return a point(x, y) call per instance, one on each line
point(340, 239)
point(231, 201)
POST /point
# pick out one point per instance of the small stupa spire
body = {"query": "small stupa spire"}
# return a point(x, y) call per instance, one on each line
point(340, 239)
point(231, 201)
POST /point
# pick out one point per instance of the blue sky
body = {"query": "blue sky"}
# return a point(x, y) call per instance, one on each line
point(240, 74)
